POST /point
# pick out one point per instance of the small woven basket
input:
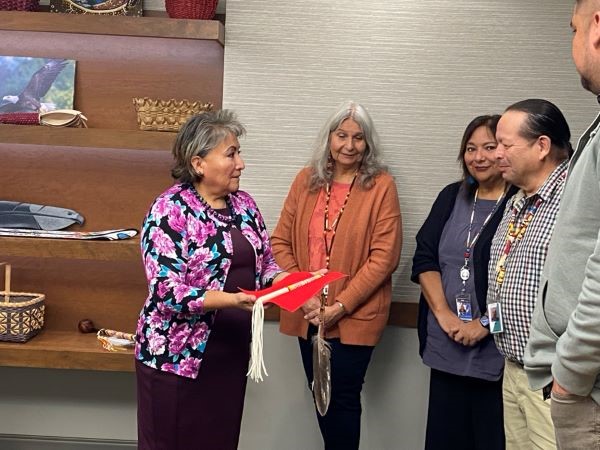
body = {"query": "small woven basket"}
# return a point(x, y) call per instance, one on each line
point(19, 5)
point(21, 313)
point(191, 9)
point(166, 115)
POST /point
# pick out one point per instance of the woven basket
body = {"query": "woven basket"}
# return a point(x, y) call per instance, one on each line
point(166, 115)
point(21, 313)
point(191, 9)
point(19, 5)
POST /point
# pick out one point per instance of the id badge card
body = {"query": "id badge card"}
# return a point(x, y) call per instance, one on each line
point(463, 307)
point(494, 312)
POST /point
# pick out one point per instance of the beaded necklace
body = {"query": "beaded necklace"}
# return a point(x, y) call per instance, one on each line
point(332, 229)
point(328, 246)
point(514, 234)
point(228, 219)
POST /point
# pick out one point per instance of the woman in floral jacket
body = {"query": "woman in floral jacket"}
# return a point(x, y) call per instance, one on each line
point(202, 240)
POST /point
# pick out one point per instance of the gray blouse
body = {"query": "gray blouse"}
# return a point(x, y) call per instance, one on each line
point(442, 353)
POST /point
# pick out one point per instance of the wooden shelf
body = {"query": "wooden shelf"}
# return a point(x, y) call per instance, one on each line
point(126, 250)
point(113, 25)
point(64, 350)
point(86, 137)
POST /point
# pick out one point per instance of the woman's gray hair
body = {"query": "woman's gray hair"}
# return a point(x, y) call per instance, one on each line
point(198, 136)
point(371, 165)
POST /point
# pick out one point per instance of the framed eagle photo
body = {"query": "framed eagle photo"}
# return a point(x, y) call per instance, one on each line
point(104, 7)
point(36, 84)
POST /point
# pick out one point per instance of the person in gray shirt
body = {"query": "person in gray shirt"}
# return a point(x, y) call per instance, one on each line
point(564, 345)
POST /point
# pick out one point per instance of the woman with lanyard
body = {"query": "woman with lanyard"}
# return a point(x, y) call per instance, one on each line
point(342, 213)
point(450, 264)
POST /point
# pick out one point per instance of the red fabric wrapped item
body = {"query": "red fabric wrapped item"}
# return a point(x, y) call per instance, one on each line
point(20, 118)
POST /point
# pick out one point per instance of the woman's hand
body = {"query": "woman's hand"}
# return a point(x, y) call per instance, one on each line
point(280, 276)
point(433, 291)
point(311, 304)
point(449, 322)
point(331, 315)
point(242, 301)
point(470, 333)
point(315, 301)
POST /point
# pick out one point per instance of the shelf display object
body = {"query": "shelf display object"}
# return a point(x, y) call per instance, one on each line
point(104, 7)
point(191, 9)
point(21, 313)
point(166, 115)
point(35, 84)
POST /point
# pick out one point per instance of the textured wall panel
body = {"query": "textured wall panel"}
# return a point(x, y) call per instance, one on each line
point(423, 69)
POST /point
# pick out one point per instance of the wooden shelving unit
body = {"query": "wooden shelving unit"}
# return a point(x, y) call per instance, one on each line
point(64, 350)
point(86, 137)
point(128, 250)
point(109, 173)
point(157, 27)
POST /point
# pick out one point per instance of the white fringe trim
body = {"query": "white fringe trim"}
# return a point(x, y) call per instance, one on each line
point(257, 363)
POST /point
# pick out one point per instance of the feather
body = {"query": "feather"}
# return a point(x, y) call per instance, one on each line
point(36, 217)
point(321, 386)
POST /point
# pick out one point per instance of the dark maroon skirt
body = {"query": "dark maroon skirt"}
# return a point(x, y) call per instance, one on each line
point(178, 413)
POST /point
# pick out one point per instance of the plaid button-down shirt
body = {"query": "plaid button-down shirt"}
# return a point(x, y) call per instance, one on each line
point(524, 264)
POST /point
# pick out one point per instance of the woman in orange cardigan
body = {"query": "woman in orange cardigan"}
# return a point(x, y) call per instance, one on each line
point(342, 213)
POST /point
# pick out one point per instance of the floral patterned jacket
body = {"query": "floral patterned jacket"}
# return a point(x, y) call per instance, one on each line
point(187, 251)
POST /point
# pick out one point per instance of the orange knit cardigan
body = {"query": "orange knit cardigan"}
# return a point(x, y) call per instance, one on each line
point(367, 248)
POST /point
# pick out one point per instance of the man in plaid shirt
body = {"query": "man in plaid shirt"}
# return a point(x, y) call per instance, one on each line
point(533, 149)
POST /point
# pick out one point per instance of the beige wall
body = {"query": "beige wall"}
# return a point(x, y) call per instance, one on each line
point(423, 68)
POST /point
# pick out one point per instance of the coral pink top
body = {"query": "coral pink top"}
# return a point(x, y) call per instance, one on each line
point(316, 243)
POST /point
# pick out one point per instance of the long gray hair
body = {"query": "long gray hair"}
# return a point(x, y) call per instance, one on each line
point(371, 165)
point(198, 136)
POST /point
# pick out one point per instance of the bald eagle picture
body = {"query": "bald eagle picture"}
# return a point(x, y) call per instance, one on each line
point(35, 84)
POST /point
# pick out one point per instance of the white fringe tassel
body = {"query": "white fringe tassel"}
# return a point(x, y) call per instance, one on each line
point(257, 363)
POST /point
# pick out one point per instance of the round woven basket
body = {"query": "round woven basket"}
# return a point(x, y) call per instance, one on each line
point(19, 5)
point(190, 9)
